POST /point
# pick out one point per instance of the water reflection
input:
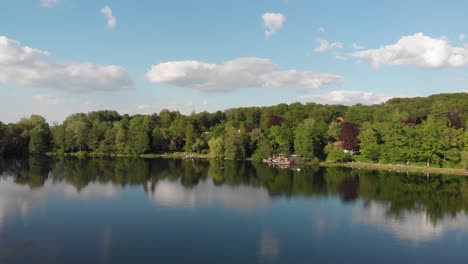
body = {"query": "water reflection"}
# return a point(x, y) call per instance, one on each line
point(173, 194)
point(412, 226)
point(19, 199)
point(105, 244)
point(412, 207)
point(269, 247)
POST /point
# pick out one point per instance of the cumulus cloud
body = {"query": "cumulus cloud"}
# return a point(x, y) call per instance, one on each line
point(111, 19)
point(238, 73)
point(346, 98)
point(26, 66)
point(11, 52)
point(49, 3)
point(418, 51)
point(325, 45)
point(357, 46)
point(461, 36)
point(47, 99)
point(273, 22)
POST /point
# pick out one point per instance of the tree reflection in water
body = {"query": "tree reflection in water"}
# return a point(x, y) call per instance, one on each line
point(437, 196)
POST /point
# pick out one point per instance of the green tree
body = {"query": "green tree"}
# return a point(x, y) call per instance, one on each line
point(39, 141)
point(190, 138)
point(233, 145)
point(216, 147)
point(465, 159)
point(138, 135)
point(76, 135)
point(433, 143)
point(309, 139)
point(107, 145)
point(120, 138)
point(263, 150)
point(333, 131)
point(282, 138)
point(370, 148)
point(335, 154)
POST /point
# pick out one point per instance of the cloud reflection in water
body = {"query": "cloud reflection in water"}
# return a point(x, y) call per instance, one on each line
point(19, 199)
point(412, 226)
point(173, 194)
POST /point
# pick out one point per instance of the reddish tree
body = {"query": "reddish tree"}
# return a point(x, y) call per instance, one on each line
point(250, 127)
point(349, 135)
point(455, 119)
point(275, 121)
point(409, 121)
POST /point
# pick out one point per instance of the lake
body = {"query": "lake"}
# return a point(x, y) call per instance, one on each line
point(206, 211)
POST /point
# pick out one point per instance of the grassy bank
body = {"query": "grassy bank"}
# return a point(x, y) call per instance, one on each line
point(398, 168)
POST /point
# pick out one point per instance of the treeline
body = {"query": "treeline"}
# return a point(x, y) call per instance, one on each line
point(430, 131)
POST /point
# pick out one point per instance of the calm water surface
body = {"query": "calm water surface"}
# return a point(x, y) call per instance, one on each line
point(170, 211)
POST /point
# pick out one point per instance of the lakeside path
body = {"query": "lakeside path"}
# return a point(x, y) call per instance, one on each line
point(398, 168)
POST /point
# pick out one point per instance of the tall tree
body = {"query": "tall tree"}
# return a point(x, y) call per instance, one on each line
point(349, 135)
point(216, 147)
point(233, 147)
point(369, 143)
point(433, 143)
point(309, 138)
point(138, 135)
point(39, 141)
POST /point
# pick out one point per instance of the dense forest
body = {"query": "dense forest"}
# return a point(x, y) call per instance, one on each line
point(427, 131)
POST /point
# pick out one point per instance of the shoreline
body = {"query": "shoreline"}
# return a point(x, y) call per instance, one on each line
point(396, 168)
point(353, 165)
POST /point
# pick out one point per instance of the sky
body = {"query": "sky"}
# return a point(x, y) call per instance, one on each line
point(59, 57)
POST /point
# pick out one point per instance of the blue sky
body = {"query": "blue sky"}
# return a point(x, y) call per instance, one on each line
point(59, 57)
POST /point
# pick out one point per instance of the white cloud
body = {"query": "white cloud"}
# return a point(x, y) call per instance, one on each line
point(322, 29)
point(461, 36)
point(325, 45)
point(273, 22)
point(418, 51)
point(357, 46)
point(238, 73)
point(111, 19)
point(47, 99)
point(11, 52)
point(25, 66)
point(346, 98)
point(183, 107)
point(49, 3)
